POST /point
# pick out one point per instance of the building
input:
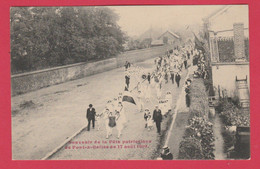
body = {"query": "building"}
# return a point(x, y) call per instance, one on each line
point(169, 37)
point(157, 43)
point(228, 37)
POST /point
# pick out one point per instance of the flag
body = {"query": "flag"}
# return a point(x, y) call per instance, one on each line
point(127, 97)
point(198, 43)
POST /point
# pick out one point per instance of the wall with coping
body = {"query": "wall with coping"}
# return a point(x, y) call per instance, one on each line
point(26, 82)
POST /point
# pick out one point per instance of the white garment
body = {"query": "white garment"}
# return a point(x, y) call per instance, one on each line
point(148, 92)
point(158, 92)
point(169, 103)
point(163, 106)
point(150, 121)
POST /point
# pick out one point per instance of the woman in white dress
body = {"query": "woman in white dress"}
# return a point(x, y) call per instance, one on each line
point(140, 100)
point(121, 119)
point(168, 97)
point(158, 91)
point(148, 93)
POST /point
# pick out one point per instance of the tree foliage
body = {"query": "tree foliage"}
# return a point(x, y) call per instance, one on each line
point(43, 37)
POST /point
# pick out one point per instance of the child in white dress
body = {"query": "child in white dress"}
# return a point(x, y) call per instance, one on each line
point(150, 121)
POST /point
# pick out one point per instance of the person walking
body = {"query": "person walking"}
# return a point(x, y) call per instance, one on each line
point(146, 116)
point(140, 100)
point(157, 118)
point(120, 119)
point(172, 76)
point(187, 91)
point(91, 113)
point(166, 77)
point(127, 80)
point(178, 78)
point(110, 122)
point(149, 78)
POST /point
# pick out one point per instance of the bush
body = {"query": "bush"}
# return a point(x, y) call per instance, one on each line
point(233, 115)
point(199, 99)
point(201, 130)
point(198, 140)
point(190, 148)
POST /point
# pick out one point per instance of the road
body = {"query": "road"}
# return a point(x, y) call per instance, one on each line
point(43, 119)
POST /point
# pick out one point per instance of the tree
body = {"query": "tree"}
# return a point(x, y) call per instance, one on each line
point(44, 37)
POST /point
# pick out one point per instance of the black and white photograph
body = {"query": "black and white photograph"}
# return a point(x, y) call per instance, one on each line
point(136, 82)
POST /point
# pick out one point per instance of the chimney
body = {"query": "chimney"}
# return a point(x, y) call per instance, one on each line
point(239, 41)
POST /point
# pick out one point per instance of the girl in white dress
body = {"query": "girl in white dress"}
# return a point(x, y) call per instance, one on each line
point(150, 121)
point(140, 100)
point(121, 119)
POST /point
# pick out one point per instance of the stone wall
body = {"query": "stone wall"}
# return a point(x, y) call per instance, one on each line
point(224, 75)
point(26, 82)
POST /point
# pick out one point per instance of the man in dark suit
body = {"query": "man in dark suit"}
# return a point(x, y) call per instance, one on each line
point(91, 113)
point(157, 118)
point(177, 79)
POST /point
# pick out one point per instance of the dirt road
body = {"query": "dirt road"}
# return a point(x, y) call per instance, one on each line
point(43, 119)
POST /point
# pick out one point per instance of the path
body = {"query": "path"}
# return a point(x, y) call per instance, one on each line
point(219, 142)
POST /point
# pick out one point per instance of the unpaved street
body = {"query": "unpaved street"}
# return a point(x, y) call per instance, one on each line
point(43, 119)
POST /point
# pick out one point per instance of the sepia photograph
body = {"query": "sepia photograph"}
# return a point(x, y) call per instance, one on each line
point(134, 82)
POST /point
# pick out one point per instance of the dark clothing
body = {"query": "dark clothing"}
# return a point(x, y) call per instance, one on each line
point(166, 78)
point(127, 65)
point(185, 64)
point(93, 123)
point(187, 90)
point(168, 156)
point(172, 77)
point(157, 118)
point(145, 116)
point(158, 126)
point(157, 115)
point(177, 79)
point(149, 78)
point(187, 100)
point(91, 117)
point(91, 113)
point(127, 81)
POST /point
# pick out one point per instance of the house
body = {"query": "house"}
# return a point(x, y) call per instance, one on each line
point(227, 30)
point(157, 43)
point(219, 26)
point(169, 37)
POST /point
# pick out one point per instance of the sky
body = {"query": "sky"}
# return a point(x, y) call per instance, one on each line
point(134, 20)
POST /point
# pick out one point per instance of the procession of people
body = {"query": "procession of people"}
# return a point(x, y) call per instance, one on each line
point(167, 71)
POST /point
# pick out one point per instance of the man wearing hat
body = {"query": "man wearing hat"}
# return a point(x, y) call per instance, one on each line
point(157, 118)
point(91, 113)
point(166, 154)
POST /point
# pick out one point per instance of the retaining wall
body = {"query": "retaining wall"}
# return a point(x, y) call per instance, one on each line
point(26, 82)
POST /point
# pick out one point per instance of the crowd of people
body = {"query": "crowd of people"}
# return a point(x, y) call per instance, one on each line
point(167, 69)
point(199, 61)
